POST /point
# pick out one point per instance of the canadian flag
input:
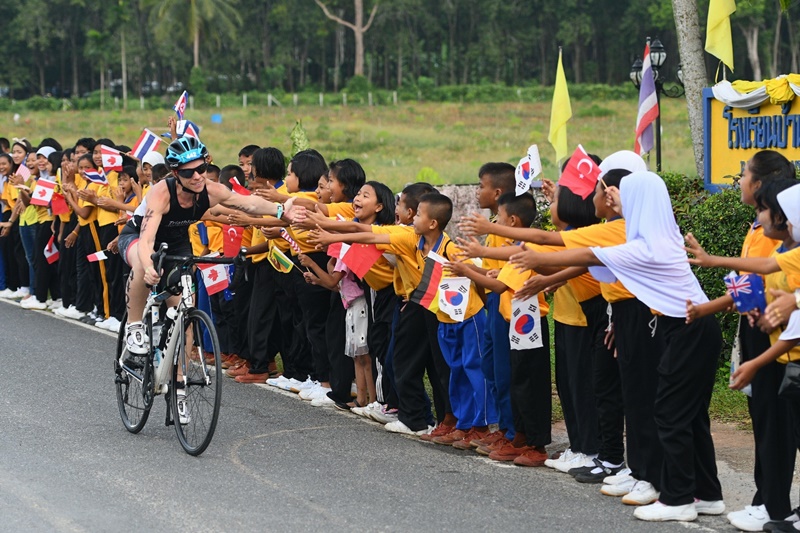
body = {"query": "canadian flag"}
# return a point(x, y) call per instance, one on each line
point(215, 277)
point(112, 158)
point(97, 256)
point(50, 251)
point(43, 192)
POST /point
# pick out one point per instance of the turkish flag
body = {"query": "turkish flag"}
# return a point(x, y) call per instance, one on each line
point(581, 174)
point(215, 277)
point(58, 205)
point(42, 192)
point(232, 240)
point(238, 188)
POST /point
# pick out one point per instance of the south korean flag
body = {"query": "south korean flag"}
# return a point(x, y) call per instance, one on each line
point(454, 297)
point(525, 332)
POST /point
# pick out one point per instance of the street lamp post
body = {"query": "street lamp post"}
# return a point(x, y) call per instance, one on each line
point(658, 56)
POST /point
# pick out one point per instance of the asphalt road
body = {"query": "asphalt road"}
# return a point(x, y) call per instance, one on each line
point(275, 464)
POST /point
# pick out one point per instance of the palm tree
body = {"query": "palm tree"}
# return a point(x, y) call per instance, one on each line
point(211, 18)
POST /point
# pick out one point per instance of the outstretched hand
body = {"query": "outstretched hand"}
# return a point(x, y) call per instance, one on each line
point(475, 224)
point(470, 248)
point(525, 259)
point(701, 257)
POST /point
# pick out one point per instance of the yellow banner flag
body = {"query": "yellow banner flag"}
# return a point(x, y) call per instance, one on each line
point(718, 30)
point(560, 113)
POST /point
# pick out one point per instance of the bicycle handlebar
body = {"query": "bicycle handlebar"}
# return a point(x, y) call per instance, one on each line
point(161, 255)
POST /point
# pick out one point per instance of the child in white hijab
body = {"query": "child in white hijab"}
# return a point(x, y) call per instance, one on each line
point(652, 264)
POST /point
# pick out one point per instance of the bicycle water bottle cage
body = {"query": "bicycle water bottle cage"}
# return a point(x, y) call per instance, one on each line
point(172, 281)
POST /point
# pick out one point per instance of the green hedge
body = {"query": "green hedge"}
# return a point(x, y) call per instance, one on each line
point(719, 222)
point(357, 91)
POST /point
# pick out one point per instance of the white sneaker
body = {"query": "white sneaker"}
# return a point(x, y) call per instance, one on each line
point(751, 518)
point(305, 385)
point(618, 489)
point(712, 508)
point(642, 493)
point(183, 411)
point(23, 292)
point(565, 456)
point(308, 392)
point(70, 312)
point(112, 324)
point(278, 382)
point(365, 411)
point(101, 324)
point(323, 401)
point(136, 340)
point(6, 293)
point(399, 427)
point(33, 303)
point(320, 392)
point(383, 415)
point(53, 304)
point(658, 512)
point(619, 477)
point(353, 390)
point(577, 461)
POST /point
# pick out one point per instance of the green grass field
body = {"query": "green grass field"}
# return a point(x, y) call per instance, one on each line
point(392, 143)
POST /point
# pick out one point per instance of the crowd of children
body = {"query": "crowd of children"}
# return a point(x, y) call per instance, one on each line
point(636, 343)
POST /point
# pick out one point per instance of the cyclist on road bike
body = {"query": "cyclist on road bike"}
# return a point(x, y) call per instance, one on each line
point(170, 207)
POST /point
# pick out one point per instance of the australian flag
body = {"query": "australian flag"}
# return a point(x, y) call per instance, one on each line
point(747, 291)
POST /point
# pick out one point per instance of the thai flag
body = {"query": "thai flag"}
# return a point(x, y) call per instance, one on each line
point(180, 105)
point(648, 107)
point(148, 141)
point(112, 158)
point(96, 176)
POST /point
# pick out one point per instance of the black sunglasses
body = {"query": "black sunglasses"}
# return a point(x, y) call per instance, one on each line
point(188, 173)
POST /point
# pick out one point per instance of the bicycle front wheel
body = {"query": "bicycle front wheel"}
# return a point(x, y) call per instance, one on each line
point(133, 409)
point(197, 386)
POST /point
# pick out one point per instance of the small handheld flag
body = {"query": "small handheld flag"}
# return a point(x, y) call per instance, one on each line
point(747, 291)
point(648, 107)
point(43, 192)
point(525, 331)
point(581, 174)
point(215, 277)
point(97, 256)
point(58, 204)
point(279, 261)
point(51, 251)
point(180, 105)
point(292, 243)
point(426, 293)
point(238, 188)
point(529, 167)
point(112, 158)
point(148, 141)
point(96, 176)
point(187, 128)
point(454, 297)
point(232, 240)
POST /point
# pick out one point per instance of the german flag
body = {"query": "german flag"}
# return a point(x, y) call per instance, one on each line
point(427, 292)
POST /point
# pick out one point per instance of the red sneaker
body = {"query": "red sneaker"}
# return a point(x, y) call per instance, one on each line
point(472, 434)
point(240, 369)
point(496, 445)
point(491, 438)
point(450, 438)
point(508, 452)
point(533, 457)
point(440, 431)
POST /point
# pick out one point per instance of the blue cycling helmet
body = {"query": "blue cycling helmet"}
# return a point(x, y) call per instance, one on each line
point(184, 150)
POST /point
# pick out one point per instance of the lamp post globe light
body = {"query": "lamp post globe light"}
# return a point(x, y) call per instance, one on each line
point(658, 56)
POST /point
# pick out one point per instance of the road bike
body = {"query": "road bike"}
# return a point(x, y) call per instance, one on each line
point(178, 364)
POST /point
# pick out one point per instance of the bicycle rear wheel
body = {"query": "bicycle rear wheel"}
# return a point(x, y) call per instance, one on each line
point(133, 409)
point(197, 387)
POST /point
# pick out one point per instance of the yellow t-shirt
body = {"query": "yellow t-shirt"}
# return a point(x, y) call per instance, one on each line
point(407, 246)
point(566, 308)
point(258, 238)
point(43, 213)
point(81, 183)
point(301, 235)
point(514, 279)
point(194, 238)
point(215, 242)
point(104, 216)
point(400, 288)
point(60, 190)
point(345, 209)
point(611, 233)
point(788, 279)
point(30, 215)
point(495, 241)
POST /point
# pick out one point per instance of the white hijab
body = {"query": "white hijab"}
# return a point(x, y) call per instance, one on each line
point(652, 264)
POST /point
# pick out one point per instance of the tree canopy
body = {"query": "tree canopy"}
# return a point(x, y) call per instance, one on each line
point(71, 47)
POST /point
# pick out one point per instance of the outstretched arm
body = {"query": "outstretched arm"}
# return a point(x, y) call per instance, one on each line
point(323, 238)
point(531, 260)
point(759, 265)
point(477, 224)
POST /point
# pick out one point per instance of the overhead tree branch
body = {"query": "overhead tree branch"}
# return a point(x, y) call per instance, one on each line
point(371, 17)
point(335, 18)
